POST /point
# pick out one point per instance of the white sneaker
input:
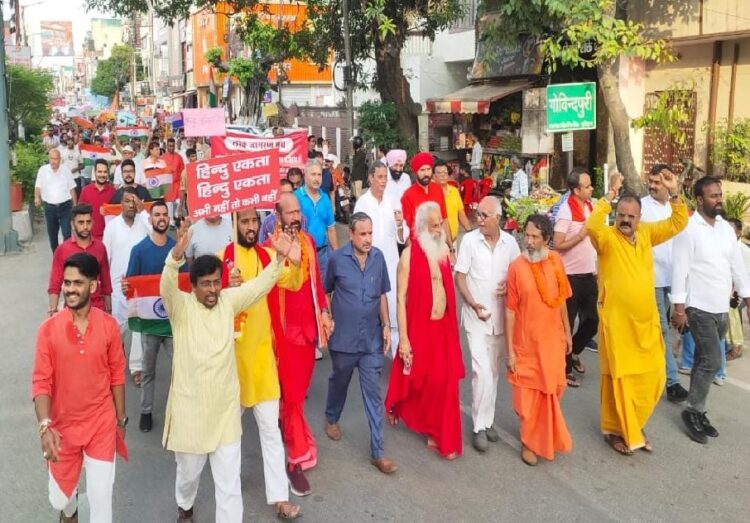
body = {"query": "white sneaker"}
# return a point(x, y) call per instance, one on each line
point(720, 381)
point(318, 354)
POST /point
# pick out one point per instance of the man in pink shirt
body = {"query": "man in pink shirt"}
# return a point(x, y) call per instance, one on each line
point(579, 259)
point(79, 396)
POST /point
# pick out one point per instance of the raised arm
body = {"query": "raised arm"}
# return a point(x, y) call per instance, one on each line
point(663, 230)
point(169, 289)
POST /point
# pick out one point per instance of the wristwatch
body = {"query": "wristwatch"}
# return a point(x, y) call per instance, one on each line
point(122, 422)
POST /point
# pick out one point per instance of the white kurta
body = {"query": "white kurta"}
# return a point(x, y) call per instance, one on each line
point(395, 190)
point(385, 238)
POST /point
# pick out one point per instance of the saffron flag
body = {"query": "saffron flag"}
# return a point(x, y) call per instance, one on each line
point(146, 311)
point(125, 134)
point(158, 182)
point(83, 123)
point(91, 153)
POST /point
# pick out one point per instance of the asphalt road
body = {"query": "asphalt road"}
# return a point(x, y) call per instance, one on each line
point(681, 481)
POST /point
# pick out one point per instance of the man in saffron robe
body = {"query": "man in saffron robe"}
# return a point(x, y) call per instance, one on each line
point(256, 363)
point(423, 389)
point(538, 338)
point(631, 347)
point(299, 319)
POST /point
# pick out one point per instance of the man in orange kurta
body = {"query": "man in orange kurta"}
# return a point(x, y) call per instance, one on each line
point(538, 337)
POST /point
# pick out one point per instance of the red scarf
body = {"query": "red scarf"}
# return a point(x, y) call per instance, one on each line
point(579, 215)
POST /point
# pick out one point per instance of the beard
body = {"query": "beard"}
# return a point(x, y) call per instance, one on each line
point(424, 182)
point(396, 175)
point(243, 240)
point(534, 255)
point(434, 245)
point(714, 211)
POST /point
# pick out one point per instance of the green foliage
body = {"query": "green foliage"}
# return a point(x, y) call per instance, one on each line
point(378, 122)
point(669, 114)
point(736, 205)
point(731, 149)
point(213, 56)
point(29, 157)
point(28, 92)
point(598, 182)
point(567, 26)
point(116, 71)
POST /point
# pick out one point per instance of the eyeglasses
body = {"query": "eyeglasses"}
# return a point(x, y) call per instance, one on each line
point(622, 216)
point(484, 216)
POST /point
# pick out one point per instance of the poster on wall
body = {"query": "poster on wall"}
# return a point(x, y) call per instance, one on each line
point(57, 38)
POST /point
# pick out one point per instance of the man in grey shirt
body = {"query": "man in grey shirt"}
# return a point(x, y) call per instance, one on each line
point(209, 236)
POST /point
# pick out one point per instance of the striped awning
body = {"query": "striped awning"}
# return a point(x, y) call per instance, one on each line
point(475, 99)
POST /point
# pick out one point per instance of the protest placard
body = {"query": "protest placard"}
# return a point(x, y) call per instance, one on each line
point(204, 122)
point(233, 183)
point(292, 146)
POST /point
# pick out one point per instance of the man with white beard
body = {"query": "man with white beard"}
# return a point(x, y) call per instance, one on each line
point(388, 233)
point(423, 388)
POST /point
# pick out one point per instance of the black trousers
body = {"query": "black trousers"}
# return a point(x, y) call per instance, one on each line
point(582, 305)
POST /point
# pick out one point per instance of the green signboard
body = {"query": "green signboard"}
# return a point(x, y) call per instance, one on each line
point(571, 107)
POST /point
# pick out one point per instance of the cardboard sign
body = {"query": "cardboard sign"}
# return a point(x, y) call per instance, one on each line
point(292, 147)
point(233, 184)
point(204, 122)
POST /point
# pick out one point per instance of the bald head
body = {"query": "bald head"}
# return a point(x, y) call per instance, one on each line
point(288, 212)
point(54, 158)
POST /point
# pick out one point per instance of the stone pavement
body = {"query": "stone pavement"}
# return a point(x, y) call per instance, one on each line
point(682, 481)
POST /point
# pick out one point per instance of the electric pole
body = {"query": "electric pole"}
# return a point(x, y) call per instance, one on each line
point(348, 75)
point(8, 237)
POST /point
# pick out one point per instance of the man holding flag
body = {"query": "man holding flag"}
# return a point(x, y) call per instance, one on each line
point(90, 154)
point(146, 313)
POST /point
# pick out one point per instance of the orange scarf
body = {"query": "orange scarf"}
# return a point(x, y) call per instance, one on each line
point(537, 269)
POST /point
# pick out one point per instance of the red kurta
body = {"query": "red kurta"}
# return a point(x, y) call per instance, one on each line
point(427, 398)
point(95, 197)
point(415, 196)
point(176, 165)
point(539, 345)
point(69, 247)
point(78, 375)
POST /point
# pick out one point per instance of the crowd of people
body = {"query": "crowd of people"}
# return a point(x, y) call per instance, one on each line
point(264, 295)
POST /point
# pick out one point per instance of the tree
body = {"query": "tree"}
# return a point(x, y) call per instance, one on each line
point(29, 91)
point(379, 29)
point(567, 26)
point(116, 71)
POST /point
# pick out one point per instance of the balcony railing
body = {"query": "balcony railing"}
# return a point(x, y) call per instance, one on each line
point(470, 16)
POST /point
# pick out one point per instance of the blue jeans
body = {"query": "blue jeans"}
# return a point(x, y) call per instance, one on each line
point(57, 218)
point(370, 367)
point(323, 253)
point(662, 303)
point(688, 351)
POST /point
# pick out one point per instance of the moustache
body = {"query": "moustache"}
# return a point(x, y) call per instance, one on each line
point(625, 224)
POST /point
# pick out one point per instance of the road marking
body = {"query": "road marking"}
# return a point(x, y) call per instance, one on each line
point(506, 436)
point(738, 383)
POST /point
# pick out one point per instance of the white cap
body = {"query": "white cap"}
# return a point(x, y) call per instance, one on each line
point(332, 158)
point(127, 149)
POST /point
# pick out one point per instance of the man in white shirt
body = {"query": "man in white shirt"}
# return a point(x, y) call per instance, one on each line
point(656, 207)
point(388, 232)
point(209, 236)
point(476, 157)
point(481, 274)
point(128, 154)
point(56, 190)
point(71, 158)
point(398, 182)
point(520, 187)
point(707, 261)
point(579, 259)
point(121, 234)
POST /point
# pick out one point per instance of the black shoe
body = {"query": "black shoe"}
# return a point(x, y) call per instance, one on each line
point(708, 429)
point(676, 393)
point(146, 423)
point(184, 516)
point(694, 426)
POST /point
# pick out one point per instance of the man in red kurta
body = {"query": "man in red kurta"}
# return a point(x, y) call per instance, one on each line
point(299, 319)
point(424, 190)
point(423, 389)
point(538, 338)
point(79, 396)
point(97, 194)
point(81, 241)
point(176, 166)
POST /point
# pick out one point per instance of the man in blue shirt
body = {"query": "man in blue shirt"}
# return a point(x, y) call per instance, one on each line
point(357, 277)
point(147, 258)
point(317, 210)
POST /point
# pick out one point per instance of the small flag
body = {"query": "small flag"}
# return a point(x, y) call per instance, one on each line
point(125, 134)
point(91, 153)
point(125, 118)
point(158, 182)
point(146, 311)
point(83, 123)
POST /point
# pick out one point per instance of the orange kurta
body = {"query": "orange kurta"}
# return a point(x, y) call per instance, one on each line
point(539, 345)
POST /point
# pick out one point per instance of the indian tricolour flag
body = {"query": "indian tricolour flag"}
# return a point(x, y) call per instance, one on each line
point(146, 311)
point(111, 210)
point(91, 153)
point(125, 134)
point(158, 182)
point(212, 98)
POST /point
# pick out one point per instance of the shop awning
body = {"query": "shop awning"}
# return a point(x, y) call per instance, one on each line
point(475, 99)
